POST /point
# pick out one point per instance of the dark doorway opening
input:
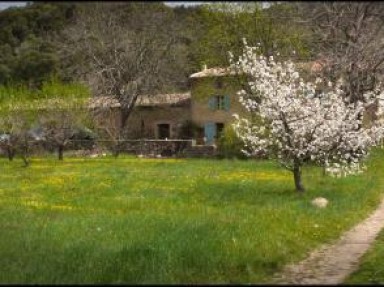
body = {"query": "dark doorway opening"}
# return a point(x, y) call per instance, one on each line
point(219, 129)
point(163, 131)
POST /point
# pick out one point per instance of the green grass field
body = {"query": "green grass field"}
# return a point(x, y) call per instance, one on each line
point(130, 220)
point(371, 270)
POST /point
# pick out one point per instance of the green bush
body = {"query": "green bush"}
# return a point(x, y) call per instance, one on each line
point(229, 145)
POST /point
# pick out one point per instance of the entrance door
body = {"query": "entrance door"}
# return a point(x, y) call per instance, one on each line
point(209, 133)
point(163, 131)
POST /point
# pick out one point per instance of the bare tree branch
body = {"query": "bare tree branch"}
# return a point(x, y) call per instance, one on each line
point(120, 52)
point(350, 39)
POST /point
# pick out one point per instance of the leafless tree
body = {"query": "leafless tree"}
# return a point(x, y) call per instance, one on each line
point(60, 120)
point(15, 122)
point(122, 50)
point(106, 121)
point(58, 129)
point(349, 37)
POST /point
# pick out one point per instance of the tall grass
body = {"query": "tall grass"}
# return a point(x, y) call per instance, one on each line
point(131, 220)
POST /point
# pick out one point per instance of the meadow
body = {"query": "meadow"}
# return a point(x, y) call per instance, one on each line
point(371, 269)
point(136, 220)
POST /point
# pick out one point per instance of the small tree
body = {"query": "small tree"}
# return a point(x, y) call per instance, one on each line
point(62, 111)
point(16, 118)
point(298, 124)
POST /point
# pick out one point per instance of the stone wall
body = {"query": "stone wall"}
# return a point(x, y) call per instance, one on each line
point(156, 148)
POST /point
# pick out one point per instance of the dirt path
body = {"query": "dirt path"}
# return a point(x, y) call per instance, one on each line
point(331, 264)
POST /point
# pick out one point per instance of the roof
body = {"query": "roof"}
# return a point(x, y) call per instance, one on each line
point(213, 72)
point(143, 100)
point(103, 102)
point(163, 99)
point(312, 66)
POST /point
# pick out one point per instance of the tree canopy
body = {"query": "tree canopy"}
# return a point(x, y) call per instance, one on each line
point(30, 38)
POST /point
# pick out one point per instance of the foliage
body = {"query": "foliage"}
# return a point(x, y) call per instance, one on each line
point(169, 221)
point(52, 115)
point(221, 27)
point(35, 62)
point(32, 37)
point(298, 124)
point(17, 116)
point(62, 112)
point(26, 52)
point(189, 130)
point(229, 144)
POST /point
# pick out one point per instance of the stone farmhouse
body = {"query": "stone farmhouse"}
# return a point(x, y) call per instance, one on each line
point(200, 114)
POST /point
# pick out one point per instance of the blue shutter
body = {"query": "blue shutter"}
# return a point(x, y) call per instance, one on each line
point(227, 102)
point(210, 132)
point(212, 103)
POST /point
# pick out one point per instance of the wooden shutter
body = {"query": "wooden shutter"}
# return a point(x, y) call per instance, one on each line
point(210, 132)
point(227, 102)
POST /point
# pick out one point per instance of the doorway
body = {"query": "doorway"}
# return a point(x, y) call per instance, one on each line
point(219, 130)
point(163, 131)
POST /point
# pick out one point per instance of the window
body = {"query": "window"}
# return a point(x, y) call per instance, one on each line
point(219, 83)
point(219, 103)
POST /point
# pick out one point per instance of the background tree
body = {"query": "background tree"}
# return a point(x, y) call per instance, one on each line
point(26, 52)
point(35, 61)
point(348, 37)
point(17, 117)
point(62, 112)
point(121, 50)
point(222, 26)
point(296, 124)
point(105, 114)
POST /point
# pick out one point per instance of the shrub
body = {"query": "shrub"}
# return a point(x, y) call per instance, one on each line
point(229, 145)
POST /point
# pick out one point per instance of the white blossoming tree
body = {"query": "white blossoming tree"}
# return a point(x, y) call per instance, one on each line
point(296, 123)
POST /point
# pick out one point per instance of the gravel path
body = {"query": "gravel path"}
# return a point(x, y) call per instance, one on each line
point(331, 264)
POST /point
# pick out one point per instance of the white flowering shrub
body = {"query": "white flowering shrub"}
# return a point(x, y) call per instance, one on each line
point(298, 123)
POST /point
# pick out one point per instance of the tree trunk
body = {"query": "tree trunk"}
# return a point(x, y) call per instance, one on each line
point(297, 176)
point(10, 153)
point(125, 112)
point(324, 170)
point(60, 152)
point(25, 160)
point(116, 150)
point(25, 154)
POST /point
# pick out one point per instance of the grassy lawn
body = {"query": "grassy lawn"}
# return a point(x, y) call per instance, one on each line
point(371, 270)
point(130, 220)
